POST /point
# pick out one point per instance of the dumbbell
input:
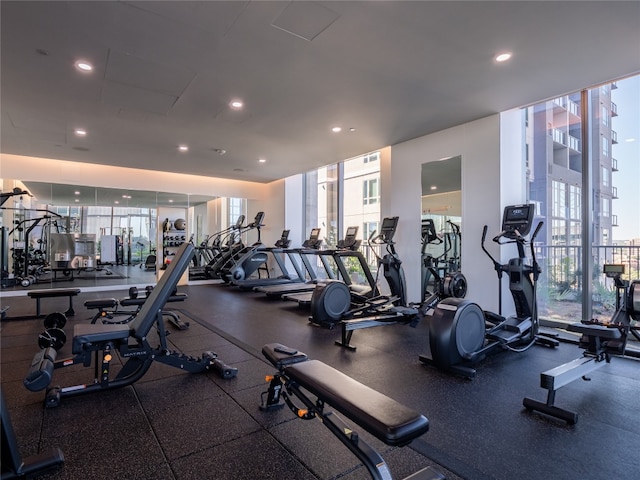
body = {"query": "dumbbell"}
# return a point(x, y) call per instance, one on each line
point(133, 291)
point(28, 280)
point(55, 320)
point(53, 336)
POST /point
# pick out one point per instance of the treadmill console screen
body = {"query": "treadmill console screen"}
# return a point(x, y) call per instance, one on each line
point(351, 232)
point(428, 231)
point(517, 217)
point(315, 234)
point(239, 222)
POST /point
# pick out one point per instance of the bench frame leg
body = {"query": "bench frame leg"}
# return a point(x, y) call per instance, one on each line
point(280, 386)
point(17, 466)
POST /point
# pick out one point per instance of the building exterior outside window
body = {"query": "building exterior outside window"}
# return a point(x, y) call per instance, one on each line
point(555, 143)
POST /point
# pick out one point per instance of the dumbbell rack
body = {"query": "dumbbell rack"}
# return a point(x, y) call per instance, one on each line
point(171, 240)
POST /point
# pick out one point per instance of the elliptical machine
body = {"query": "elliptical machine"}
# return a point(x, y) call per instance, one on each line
point(451, 284)
point(461, 334)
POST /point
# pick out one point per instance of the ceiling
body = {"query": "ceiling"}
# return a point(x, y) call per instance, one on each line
point(165, 73)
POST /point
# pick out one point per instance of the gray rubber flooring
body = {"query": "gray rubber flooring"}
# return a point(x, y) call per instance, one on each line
point(175, 425)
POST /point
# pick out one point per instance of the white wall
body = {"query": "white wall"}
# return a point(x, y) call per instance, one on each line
point(272, 204)
point(486, 188)
point(294, 209)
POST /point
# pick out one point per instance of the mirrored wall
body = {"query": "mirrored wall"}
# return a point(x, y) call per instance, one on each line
point(56, 235)
point(441, 220)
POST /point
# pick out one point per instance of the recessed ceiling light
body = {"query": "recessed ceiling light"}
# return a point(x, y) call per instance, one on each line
point(236, 104)
point(503, 57)
point(76, 200)
point(262, 160)
point(76, 192)
point(629, 140)
point(170, 200)
point(84, 66)
point(352, 129)
point(116, 202)
point(336, 129)
point(183, 148)
point(80, 132)
point(434, 187)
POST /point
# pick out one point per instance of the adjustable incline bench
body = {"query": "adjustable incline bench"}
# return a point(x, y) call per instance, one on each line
point(130, 341)
point(389, 421)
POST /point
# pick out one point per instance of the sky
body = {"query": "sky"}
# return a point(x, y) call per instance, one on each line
point(627, 153)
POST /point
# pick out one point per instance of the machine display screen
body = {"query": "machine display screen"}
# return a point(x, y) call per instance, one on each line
point(518, 218)
point(315, 233)
point(388, 228)
point(613, 269)
point(517, 214)
point(389, 223)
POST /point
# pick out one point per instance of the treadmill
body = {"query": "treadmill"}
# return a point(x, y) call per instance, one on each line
point(280, 249)
point(309, 248)
point(346, 248)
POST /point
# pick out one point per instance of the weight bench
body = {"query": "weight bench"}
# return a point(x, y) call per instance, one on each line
point(53, 293)
point(108, 309)
point(386, 419)
point(130, 341)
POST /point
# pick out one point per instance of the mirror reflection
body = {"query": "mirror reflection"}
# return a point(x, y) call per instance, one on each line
point(53, 233)
point(441, 220)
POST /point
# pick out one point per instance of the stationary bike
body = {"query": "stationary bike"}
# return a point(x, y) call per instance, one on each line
point(461, 334)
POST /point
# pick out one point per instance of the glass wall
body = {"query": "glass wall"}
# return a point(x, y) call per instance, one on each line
point(53, 233)
point(321, 200)
point(556, 149)
point(346, 195)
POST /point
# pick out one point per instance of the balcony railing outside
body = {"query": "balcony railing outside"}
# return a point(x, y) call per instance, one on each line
point(560, 288)
point(559, 136)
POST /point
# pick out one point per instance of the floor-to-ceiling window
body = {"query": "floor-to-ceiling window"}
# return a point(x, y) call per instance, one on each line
point(557, 153)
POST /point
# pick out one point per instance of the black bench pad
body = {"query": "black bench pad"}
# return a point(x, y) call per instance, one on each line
point(390, 421)
point(101, 303)
point(129, 302)
point(91, 333)
point(594, 330)
point(280, 359)
point(58, 292)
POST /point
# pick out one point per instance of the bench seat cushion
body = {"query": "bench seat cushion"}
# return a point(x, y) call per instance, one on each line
point(136, 302)
point(89, 333)
point(593, 330)
point(385, 418)
point(58, 292)
point(101, 303)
